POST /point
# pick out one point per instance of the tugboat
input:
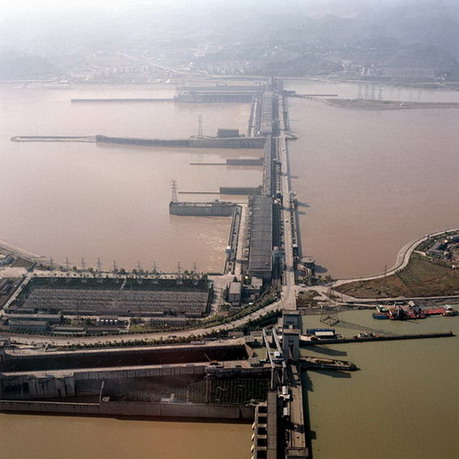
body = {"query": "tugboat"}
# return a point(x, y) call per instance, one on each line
point(448, 311)
point(382, 313)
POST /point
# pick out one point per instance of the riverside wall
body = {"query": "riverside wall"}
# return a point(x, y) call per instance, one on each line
point(131, 409)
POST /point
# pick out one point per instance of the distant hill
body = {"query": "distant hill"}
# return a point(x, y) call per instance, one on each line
point(285, 37)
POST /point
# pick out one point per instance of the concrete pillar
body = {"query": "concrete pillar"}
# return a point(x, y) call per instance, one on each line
point(291, 344)
point(291, 319)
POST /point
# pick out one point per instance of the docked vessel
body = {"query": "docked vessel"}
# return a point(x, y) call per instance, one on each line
point(321, 363)
point(445, 311)
point(411, 312)
point(399, 313)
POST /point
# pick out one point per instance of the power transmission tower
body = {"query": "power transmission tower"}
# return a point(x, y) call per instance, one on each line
point(179, 273)
point(155, 273)
point(174, 189)
point(200, 130)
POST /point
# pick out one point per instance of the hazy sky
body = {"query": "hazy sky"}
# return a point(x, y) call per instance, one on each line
point(39, 4)
point(13, 6)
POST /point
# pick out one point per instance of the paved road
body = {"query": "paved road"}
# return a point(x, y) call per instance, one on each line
point(54, 341)
point(288, 290)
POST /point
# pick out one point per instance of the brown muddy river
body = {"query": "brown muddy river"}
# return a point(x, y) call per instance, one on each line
point(371, 181)
point(85, 200)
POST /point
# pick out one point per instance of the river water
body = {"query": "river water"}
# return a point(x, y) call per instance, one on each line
point(370, 181)
point(402, 404)
point(85, 200)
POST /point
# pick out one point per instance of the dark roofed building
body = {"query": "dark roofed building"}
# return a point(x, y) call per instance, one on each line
point(261, 237)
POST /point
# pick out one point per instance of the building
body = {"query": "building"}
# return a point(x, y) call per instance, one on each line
point(37, 326)
point(234, 293)
point(225, 133)
point(261, 237)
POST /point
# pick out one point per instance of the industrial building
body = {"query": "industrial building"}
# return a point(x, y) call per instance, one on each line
point(234, 293)
point(261, 237)
point(115, 297)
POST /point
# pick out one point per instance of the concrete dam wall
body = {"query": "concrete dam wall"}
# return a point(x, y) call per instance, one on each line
point(131, 409)
point(205, 142)
point(121, 357)
point(202, 209)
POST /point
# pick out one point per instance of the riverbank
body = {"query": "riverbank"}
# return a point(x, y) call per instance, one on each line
point(419, 278)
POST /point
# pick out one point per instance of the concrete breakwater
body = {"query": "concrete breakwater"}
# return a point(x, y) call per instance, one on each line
point(204, 142)
point(369, 338)
point(196, 97)
point(120, 100)
point(245, 162)
point(52, 138)
point(235, 162)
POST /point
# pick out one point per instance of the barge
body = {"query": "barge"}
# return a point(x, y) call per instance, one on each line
point(320, 363)
point(411, 312)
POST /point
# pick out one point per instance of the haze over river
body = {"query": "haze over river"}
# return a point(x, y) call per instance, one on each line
point(371, 180)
